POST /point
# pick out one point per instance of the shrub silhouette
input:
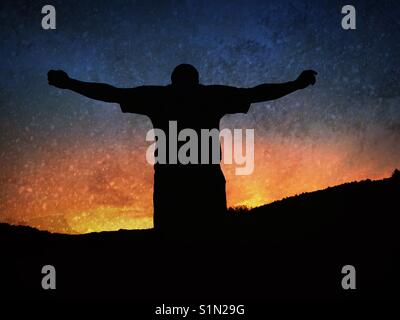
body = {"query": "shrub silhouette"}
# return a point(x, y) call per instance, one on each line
point(396, 174)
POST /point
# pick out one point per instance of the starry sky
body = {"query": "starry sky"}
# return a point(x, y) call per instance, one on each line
point(73, 165)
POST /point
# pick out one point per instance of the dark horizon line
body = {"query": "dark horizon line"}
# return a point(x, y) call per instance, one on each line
point(396, 173)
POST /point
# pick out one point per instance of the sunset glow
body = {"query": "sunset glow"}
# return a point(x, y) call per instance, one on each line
point(96, 189)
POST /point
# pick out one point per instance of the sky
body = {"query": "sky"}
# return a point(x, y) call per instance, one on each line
point(74, 165)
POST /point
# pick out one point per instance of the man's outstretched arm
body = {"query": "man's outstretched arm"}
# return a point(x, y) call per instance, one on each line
point(272, 91)
point(98, 91)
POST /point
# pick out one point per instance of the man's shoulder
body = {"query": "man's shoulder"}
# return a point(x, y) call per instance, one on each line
point(147, 92)
point(218, 87)
point(150, 88)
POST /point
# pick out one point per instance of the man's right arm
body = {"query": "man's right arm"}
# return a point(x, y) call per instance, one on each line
point(98, 91)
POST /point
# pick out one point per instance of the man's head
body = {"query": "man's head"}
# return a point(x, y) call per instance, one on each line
point(185, 75)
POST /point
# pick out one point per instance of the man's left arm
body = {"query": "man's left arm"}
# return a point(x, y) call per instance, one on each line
point(272, 91)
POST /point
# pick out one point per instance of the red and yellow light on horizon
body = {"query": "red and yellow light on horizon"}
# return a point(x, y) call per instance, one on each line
point(103, 189)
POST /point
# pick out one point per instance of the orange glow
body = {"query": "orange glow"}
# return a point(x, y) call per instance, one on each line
point(98, 189)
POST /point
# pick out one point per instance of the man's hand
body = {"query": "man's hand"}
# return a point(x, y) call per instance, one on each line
point(58, 78)
point(306, 78)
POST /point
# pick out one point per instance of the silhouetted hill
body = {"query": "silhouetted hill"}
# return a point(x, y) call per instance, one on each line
point(293, 248)
point(352, 209)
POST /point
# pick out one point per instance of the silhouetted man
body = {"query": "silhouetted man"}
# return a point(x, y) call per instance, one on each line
point(191, 197)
